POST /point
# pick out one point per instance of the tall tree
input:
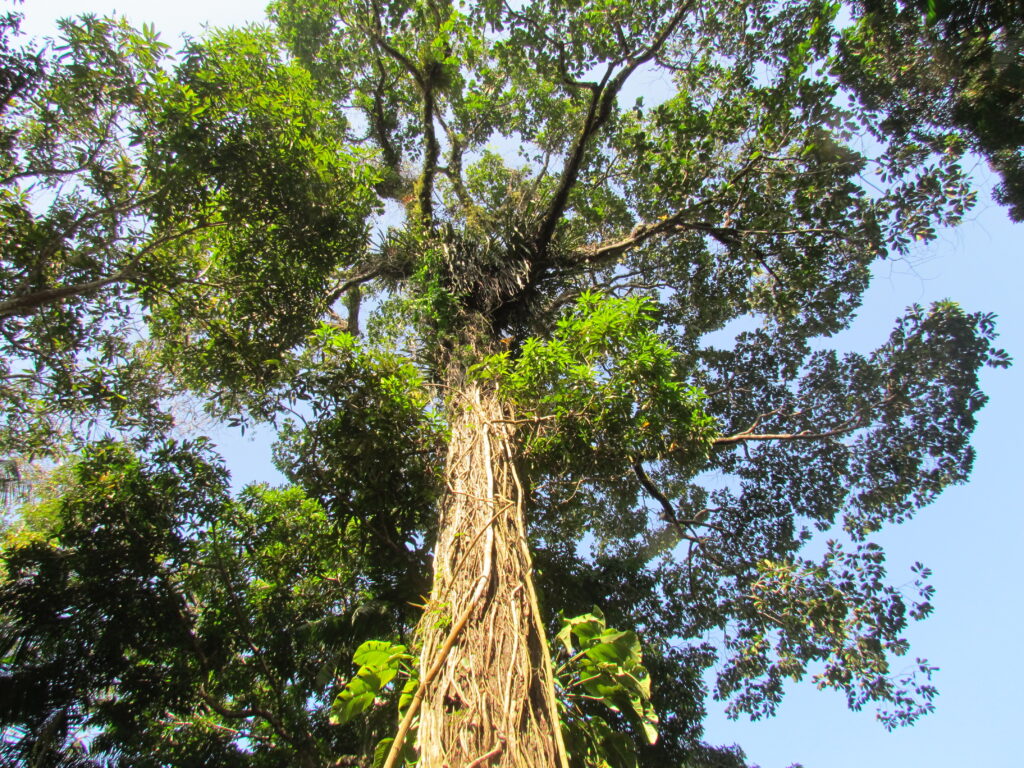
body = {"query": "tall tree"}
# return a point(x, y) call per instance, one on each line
point(610, 310)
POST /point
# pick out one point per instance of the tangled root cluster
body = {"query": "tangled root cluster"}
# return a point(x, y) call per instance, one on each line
point(488, 697)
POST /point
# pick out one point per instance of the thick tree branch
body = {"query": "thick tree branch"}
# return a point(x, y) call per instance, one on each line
point(610, 250)
point(806, 434)
point(425, 80)
point(431, 152)
point(244, 714)
point(354, 281)
point(454, 163)
point(855, 422)
point(378, 38)
point(43, 173)
point(380, 124)
point(684, 528)
point(598, 112)
point(570, 171)
point(676, 223)
point(668, 512)
point(30, 303)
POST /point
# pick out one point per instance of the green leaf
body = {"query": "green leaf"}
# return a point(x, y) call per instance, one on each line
point(406, 755)
point(636, 682)
point(650, 723)
point(619, 751)
point(358, 696)
point(586, 627)
point(408, 692)
point(616, 748)
point(380, 754)
point(611, 647)
point(378, 653)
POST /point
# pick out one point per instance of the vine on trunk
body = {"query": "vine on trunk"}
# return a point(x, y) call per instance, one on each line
point(486, 678)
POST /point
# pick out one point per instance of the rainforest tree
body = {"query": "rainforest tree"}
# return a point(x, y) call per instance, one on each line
point(547, 360)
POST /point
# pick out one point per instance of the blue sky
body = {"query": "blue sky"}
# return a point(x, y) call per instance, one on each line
point(970, 537)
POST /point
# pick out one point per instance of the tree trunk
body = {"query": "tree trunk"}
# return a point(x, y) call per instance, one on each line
point(488, 692)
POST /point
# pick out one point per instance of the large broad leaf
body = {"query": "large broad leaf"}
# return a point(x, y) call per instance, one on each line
point(618, 751)
point(379, 662)
point(611, 647)
point(356, 697)
point(408, 692)
point(585, 627)
point(407, 754)
point(616, 748)
point(375, 653)
point(592, 743)
point(380, 754)
point(608, 668)
point(644, 718)
point(650, 723)
point(601, 684)
point(637, 681)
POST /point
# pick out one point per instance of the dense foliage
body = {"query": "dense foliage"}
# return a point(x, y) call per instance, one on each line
point(338, 224)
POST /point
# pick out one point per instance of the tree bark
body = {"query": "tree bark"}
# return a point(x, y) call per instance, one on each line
point(487, 685)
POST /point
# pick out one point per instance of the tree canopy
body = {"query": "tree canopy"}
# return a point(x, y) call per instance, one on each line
point(564, 343)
